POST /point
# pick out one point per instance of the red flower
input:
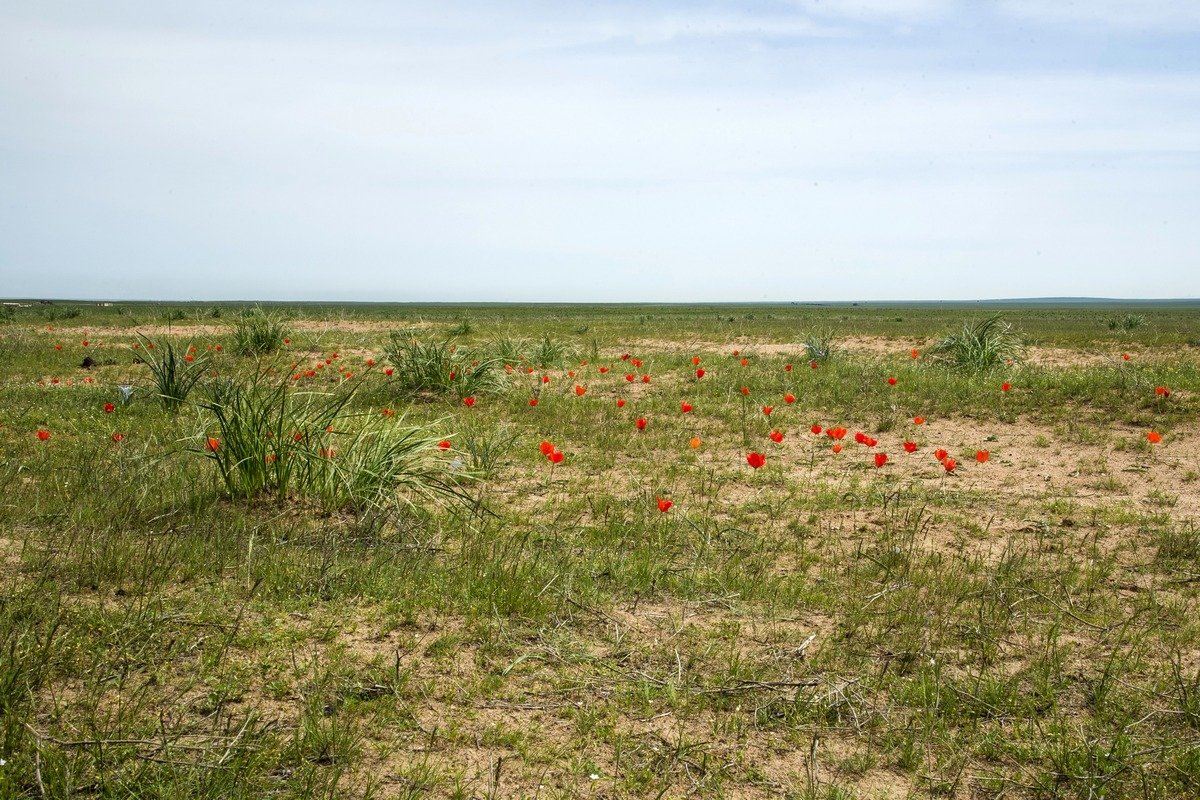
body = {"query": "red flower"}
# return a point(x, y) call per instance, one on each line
point(949, 464)
point(58, 347)
point(891, 381)
point(745, 391)
point(915, 353)
point(444, 444)
point(789, 398)
point(636, 362)
point(620, 402)
point(646, 378)
point(813, 363)
point(213, 444)
point(836, 433)
point(787, 367)
point(1154, 437)
point(327, 452)
point(837, 447)
point(580, 391)
point(664, 505)
point(918, 420)
point(43, 434)
point(625, 356)
point(529, 370)
point(603, 370)
point(109, 408)
point(545, 379)
point(745, 362)
point(737, 353)
point(686, 408)
point(641, 423)
point(940, 454)
point(755, 460)
point(767, 410)
point(1162, 391)
point(389, 412)
point(1124, 356)
point(84, 343)
point(699, 374)
point(1006, 386)
point(776, 436)
point(869, 442)
point(695, 360)
point(630, 377)
point(816, 429)
point(469, 402)
point(533, 401)
point(570, 373)
point(370, 362)
point(189, 358)
point(287, 341)
point(118, 437)
point(880, 460)
point(556, 457)
point(981, 456)
point(546, 447)
point(860, 437)
point(910, 447)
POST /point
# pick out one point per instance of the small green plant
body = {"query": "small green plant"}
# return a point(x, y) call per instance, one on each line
point(819, 346)
point(463, 328)
point(175, 372)
point(433, 367)
point(1129, 322)
point(257, 332)
point(549, 353)
point(979, 345)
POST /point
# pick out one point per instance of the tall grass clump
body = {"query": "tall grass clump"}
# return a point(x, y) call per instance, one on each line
point(257, 332)
point(175, 372)
point(441, 367)
point(274, 441)
point(819, 346)
point(549, 353)
point(979, 345)
point(1129, 322)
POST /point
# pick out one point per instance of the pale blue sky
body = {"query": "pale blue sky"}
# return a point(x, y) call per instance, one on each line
point(588, 151)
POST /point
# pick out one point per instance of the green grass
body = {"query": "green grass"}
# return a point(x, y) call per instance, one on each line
point(179, 622)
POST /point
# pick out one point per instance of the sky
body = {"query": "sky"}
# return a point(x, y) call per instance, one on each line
point(562, 151)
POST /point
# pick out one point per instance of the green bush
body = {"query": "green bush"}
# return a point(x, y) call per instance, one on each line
point(441, 368)
point(175, 372)
point(979, 345)
point(257, 332)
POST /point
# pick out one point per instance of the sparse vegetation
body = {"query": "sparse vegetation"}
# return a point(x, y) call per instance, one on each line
point(979, 345)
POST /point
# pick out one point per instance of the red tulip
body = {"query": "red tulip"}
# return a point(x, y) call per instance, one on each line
point(287, 341)
point(444, 444)
point(737, 353)
point(949, 464)
point(630, 377)
point(1162, 391)
point(869, 442)
point(109, 408)
point(910, 447)
point(646, 378)
point(664, 505)
point(1154, 437)
point(813, 363)
point(556, 457)
point(297, 437)
point(918, 420)
point(1124, 356)
point(767, 410)
point(118, 437)
point(637, 362)
point(1006, 386)
point(787, 367)
point(915, 352)
point(546, 447)
point(58, 347)
point(981, 456)
point(745, 362)
point(620, 402)
point(940, 454)
point(745, 391)
point(370, 362)
point(389, 412)
point(789, 398)
point(625, 356)
point(43, 434)
point(891, 381)
point(545, 379)
point(580, 391)
point(469, 402)
point(533, 401)
point(695, 360)
point(699, 374)
point(570, 373)
point(189, 358)
point(603, 370)
point(860, 437)
point(84, 343)
point(529, 370)
point(776, 436)
point(880, 459)
point(755, 460)
point(213, 444)
point(837, 447)
point(641, 423)
point(686, 408)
